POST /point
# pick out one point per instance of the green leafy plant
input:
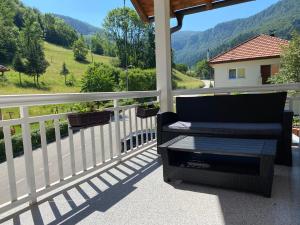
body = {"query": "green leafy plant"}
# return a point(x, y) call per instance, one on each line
point(87, 107)
point(150, 106)
point(296, 121)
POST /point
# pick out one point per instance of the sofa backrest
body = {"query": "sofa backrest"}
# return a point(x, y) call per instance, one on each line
point(259, 108)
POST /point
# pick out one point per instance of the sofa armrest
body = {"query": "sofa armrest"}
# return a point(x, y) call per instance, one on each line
point(165, 118)
point(288, 120)
point(285, 151)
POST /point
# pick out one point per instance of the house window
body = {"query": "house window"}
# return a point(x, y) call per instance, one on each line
point(239, 73)
point(232, 74)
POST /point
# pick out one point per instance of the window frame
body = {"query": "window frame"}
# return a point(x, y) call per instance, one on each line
point(236, 73)
point(233, 78)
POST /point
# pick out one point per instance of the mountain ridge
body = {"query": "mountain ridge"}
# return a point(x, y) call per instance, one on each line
point(81, 27)
point(281, 18)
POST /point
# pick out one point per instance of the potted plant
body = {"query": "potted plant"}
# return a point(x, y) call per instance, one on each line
point(296, 126)
point(87, 115)
point(147, 110)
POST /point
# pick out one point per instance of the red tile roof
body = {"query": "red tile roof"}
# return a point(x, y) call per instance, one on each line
point(259, 47)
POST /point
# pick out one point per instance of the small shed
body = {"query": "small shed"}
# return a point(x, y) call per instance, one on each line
point(3, 69)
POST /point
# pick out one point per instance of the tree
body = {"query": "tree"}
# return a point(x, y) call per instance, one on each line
point(32, 45)
point(80, 49)
point(203, 69)
point(182, 68)
point(290, 62)
point(19, 66)
point(8, 32)
point(138, 80)
point(58, 32)
point(64, 72)
point(100, 77)
point(96, 45)
point(134, 40)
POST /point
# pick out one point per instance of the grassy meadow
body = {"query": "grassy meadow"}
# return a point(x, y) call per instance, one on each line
point(53, 82)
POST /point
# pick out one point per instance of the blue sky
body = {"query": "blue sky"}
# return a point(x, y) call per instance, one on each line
point(94, 11)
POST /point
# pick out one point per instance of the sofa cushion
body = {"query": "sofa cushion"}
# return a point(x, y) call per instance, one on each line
point(242, 108)
point(258, 129)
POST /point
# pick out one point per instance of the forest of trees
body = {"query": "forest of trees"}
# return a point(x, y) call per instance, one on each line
point(280, 18)
point(24, 30)
point(13, 19)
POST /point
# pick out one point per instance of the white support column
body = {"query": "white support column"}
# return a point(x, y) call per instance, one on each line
point(163, 53)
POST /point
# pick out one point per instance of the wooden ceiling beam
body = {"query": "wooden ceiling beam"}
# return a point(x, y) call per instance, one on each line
point(182, 7)
point(209, 4)
point(140, 10)
point(215, 5)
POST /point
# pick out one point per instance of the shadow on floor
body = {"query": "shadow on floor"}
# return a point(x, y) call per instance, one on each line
point(97, 193)
point(283, 208)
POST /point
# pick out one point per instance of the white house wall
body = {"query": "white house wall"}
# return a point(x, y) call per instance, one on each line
point(253, 75)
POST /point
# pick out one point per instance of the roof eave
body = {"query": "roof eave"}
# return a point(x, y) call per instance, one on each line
point(242, 60)
point(187, 11)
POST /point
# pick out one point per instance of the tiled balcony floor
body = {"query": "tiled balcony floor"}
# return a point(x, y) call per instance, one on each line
point(133, 192)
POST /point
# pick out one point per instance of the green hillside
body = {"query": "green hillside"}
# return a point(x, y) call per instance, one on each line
point(53, 82)
point(281, 18)
point(186, 82)
point(80, 26)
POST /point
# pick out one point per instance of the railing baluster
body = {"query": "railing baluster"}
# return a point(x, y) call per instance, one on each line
point(117, 127)
point(82, 139)
point(291, 103)
point(58, 148)
point(26, 135)
point(151, 127)
point(155, 128)
point(10, 163)
point(110, 139)
point(93, 146)
point(136, 129)
point(45, 152)
point(102, 144)
point(147, 131)
point(142, 131)
point(130, 129)
point(124, 131)
point(72, 152)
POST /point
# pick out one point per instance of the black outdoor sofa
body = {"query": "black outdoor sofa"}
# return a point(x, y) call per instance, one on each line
point(249, 116)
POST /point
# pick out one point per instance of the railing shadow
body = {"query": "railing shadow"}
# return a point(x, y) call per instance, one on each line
point(97, 193)
point(240, 208)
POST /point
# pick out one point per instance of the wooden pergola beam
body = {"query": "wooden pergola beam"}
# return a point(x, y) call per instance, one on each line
point(209, 5)
point(214, 5)
point(183, 8)
point(140, 10)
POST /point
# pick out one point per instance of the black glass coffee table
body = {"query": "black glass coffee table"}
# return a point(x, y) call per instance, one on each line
point(241, 164)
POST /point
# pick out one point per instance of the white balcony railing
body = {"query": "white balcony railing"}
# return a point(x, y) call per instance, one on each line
point(89, 149)
point(91, 155)
point(293, 101)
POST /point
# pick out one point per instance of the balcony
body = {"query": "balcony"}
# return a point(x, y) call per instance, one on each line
point(88, 177)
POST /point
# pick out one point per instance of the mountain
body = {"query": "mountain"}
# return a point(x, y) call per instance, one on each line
point(80, 26)
point(281, 18)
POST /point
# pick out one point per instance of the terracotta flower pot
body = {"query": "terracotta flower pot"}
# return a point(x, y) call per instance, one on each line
point(296, 131)
point(143, 112)
point(89, 119)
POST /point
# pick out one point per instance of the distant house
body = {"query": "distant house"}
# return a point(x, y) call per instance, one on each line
point(250, 63)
